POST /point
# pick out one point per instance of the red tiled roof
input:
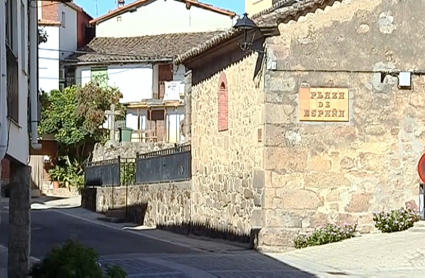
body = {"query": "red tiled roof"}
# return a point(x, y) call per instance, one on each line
point(47, 22)
point(140, 2)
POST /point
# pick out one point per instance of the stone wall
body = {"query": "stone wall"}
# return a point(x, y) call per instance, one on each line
point(113, 149)
point(166, 204)
point(225, 194)
point(341, 172)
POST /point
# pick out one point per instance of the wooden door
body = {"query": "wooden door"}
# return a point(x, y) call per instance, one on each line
point(156, 120)
point(165, 73)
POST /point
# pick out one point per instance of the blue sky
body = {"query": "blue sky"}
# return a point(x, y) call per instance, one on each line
point(103, 6)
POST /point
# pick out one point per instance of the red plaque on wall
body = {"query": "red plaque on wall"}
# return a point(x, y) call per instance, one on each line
point(421, 168)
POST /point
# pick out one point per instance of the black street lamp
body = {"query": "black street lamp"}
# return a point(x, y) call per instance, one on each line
point(246, 24)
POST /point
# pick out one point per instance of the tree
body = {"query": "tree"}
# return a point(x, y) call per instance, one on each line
point(75, 116)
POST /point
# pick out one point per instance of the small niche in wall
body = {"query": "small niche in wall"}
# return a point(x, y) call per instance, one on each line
point(223, 103)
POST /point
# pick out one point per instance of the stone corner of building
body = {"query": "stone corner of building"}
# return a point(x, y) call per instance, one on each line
point(274, 240)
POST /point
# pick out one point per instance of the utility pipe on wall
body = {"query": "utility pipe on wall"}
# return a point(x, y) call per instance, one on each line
point(3, 84)
point(33, 64)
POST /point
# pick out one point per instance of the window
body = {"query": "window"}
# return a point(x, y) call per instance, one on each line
point(12, 59)
point(100, 76)
point(11, 26)
point(61, 74)
point(63, 19)
point(24, 38)
point(223, 105)
point(156, 115)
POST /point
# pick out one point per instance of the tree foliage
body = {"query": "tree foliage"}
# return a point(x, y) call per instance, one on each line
point(75, 116)
point(93, 101)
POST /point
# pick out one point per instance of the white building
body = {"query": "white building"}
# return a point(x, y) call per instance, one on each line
point(147, 17)
point(17, 68)
point(18, 108)
point(67, 29)
point(139, 42)
point(142, 68)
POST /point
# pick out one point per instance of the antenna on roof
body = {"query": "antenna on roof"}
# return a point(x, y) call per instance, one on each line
point(97, 14)
point(120, 3)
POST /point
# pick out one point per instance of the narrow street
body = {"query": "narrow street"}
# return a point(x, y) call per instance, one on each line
point(147, 252)
point(139, 253)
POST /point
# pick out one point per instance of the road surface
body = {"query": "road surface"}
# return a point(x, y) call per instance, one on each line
point(141, 255)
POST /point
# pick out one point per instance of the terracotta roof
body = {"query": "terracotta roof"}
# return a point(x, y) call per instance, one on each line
point(282, 11)
point(140, 2)
point(47, 22)
point(164, 47)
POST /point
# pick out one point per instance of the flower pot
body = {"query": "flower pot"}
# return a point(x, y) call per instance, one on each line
point(55, 185)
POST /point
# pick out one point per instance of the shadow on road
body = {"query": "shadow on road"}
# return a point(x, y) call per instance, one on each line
point(220, 253)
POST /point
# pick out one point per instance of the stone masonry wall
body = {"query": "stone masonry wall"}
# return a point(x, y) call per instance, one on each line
point(113, 149)
point(225, 194)
point(162, 204)
point(341, 172)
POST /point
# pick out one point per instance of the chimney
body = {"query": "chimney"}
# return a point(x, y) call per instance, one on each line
point(120, 3)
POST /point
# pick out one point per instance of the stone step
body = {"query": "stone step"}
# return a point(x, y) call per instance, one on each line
point(116, 213)
point(418, 227)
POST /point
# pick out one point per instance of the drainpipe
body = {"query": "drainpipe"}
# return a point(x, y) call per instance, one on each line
point(3, 85)
point(33, 64)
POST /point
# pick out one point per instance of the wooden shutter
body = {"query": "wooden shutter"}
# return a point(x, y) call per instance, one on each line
point(165, 73)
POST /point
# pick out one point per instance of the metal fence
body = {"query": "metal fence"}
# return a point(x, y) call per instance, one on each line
point(172, 164)
point(113, 172)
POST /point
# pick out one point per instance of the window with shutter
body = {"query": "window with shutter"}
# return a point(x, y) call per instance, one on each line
point(223, 103)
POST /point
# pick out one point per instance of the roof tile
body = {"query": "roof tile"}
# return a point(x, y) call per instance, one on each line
point(139, 49)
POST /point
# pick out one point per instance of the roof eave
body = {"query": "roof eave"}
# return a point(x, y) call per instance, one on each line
point(125, 9)
point(114, 62)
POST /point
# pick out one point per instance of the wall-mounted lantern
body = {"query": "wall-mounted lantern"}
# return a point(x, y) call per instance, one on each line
point(246, 25)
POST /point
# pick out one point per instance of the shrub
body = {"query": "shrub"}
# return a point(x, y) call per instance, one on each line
point(73, 260)
point(328, 234)
point(396, 220)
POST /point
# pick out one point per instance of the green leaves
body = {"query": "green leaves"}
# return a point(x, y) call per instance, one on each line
point(395, 220)
point(328, 234)
point(76, 114)
point(75, 117)
point(73, 260)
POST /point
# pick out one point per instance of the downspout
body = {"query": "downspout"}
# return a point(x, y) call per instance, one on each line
point(33, 64)
point(3, 84)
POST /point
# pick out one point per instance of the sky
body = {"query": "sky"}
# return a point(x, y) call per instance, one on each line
point(103, 6)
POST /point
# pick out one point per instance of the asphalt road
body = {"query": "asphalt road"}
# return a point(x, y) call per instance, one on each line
point(50, 228)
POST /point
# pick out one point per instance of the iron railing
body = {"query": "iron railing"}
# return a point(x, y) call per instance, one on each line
point(172, 164)
point(102, 173)
point(113, 172)
point(12, 85)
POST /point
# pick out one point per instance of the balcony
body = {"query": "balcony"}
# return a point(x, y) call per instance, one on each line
point(12, 85)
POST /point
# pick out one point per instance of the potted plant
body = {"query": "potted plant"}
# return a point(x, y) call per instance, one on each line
point(56, 176)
